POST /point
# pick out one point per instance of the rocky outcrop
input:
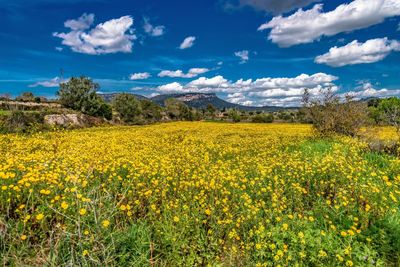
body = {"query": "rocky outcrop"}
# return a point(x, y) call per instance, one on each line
point(71, 120)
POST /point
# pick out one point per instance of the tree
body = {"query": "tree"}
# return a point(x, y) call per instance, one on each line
point(128, 107)
point(330, 114)
point(389, 109)
point(262, 118)
point(211, 110)
point(81, 94)
point(177, 110)
point(151, 111)
point(234, 115)
point(26, 97)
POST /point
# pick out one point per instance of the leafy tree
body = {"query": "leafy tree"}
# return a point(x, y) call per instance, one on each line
point(26, 97)
point(211, 110)
point(177, 110)
point(331, 115)
point(389, 109)
point(263, 118)
point(81, 94)
point(234, 115)
point(128, 107)
point(151, 111)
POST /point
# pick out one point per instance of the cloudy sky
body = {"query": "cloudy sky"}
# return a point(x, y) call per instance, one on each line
point(252, 52)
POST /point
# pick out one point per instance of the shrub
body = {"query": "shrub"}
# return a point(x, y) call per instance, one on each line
point(80, 94)
point(128, 107)
point(262, 118)
point(331, 115)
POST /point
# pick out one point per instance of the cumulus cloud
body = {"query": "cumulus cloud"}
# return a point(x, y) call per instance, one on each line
point(188, 42)
point(140, 76)
point(263, 91)
point(309, 25)
point(151, 30)
point(367, 90)
point(243, 55)
point(276, 6)
point(193, 72)
point(112, 36)
point(55, 82)
point(359, 53)
point(174, 87)
point(82, 23)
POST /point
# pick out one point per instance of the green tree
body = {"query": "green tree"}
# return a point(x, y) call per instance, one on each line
point(389, 109)
point(177, 110)
point(128, 107)
point(234, 115)
point(81, 94)
point(151, 111)
point(26, 97)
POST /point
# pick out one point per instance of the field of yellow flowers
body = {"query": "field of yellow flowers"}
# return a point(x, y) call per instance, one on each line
point(197, 194)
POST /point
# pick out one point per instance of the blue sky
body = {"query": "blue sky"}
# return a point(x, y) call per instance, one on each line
point(252, 52)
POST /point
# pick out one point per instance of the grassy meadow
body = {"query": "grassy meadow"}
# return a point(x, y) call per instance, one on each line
point(197, 194)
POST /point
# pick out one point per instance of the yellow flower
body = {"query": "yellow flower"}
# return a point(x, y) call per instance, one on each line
point(208, 212)
point(85, 253)
point(39, 217)
point(86, 232)
point(285, 226)
point(23, 237)
point(349, 263)
point(322, 254)
point(258, 246)
point(122, 207)
point(82, 212)
point(105, 223)
point(176, 219)
point(64, 205)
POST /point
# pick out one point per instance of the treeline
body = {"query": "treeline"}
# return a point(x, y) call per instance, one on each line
point(79, 94)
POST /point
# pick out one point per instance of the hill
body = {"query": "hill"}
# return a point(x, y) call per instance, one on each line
point(202, 100)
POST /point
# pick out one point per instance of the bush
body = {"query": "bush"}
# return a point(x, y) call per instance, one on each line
point(234, 115)
point(80, 94)
point(22, 122)
point(329, 115)
point(151, 111)
point(262, 118)
point(128, 107)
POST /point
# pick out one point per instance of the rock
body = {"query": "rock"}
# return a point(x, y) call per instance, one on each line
point(67, 120)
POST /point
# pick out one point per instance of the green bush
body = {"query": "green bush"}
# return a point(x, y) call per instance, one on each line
point(262, 118)
point(128, 107)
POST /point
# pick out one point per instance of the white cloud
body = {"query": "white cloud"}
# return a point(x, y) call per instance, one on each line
point(82, 23)
point(263, 91)
point(358, 53)
point(55, 82)
point(174, 87)
point(59, 49)
point(153, 30)
point(140, 76)
point(193, 72)
point(243, 55)
point(188, 42)
point(112, 36)
point(307, 26)
point(367, 90)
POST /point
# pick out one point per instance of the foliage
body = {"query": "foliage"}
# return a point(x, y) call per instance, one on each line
point(150, 110)
point(26, 97)
point(389, 109)
point(80, 94)
point(177, 110)
point(128, 107)
point(330, 115)
point(234, 115)
point(262, 118)
point(188, 194)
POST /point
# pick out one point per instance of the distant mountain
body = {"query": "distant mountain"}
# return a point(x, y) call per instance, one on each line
point(110, 96)
point(202, 100)
point(197, 100)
